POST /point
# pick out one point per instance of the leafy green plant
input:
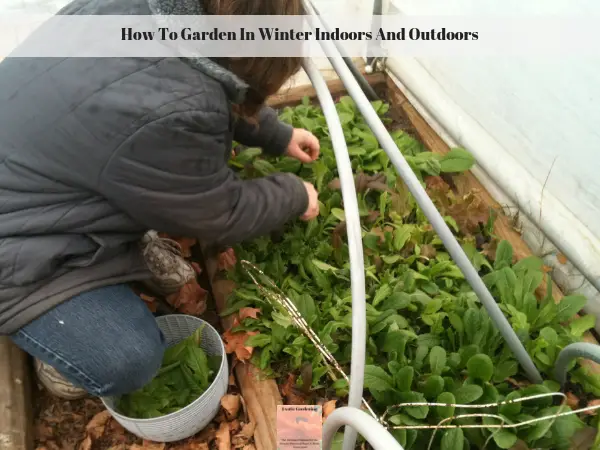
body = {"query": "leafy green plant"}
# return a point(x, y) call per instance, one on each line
point(186, 372)
point(429, 338)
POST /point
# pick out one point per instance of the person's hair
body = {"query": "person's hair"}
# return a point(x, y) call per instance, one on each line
point(264, 76)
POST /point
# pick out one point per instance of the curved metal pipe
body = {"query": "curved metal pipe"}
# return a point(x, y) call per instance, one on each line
point(364, 84)
point(375, 25)
point(429, 209)
point(354, 233)
point(571, 352)
point(369, 428)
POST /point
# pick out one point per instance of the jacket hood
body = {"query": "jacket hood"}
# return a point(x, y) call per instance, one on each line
point(234, 86)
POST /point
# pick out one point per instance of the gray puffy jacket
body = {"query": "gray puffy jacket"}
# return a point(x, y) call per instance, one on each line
point(93, 152)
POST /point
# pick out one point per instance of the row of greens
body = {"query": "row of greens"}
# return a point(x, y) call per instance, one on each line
point(429, 338)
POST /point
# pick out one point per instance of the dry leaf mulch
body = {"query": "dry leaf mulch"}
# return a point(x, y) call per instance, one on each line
point(86, 425)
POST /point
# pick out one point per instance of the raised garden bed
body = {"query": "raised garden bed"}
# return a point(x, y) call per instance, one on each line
point(84, 424)
point(423, 319)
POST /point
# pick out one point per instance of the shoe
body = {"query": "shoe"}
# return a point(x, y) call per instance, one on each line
point(170, 271)
point(55, 383)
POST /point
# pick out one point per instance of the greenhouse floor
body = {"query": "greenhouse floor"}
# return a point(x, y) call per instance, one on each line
point(86, 425)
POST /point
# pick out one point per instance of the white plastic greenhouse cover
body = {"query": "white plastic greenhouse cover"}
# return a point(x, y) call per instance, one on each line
point(532, 125)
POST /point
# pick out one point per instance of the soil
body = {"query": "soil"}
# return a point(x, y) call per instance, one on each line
point(61, 424)
point(86, 425)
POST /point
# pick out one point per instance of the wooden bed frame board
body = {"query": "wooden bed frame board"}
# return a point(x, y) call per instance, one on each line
point(293, 96)
point(15, 398)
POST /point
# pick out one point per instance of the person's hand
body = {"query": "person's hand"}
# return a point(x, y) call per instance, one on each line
point(304, 146)
point(313, 203)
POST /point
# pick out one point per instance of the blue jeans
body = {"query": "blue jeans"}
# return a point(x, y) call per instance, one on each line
point(105, 341)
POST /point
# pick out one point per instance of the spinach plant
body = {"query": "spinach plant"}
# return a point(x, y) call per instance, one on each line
point(186, 372)
point(429, 338)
